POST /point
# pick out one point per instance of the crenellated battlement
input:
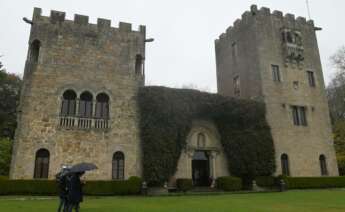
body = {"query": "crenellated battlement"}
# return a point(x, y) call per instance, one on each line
point(248, 16)
point(58, 17)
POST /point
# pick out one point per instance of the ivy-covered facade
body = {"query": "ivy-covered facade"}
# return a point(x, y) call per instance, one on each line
point(201, 136)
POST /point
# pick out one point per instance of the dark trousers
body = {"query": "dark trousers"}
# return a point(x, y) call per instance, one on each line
point(62, 205)
point(73, 205)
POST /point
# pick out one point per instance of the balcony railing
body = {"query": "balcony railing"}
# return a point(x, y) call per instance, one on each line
point(70, 122)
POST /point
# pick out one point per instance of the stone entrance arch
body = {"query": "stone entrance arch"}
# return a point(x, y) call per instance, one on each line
point(202, 139)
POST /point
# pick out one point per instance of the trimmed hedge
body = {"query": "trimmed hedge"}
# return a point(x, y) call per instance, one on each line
point(28, 187)
point(166, 116)
point(49, 187)
point(314, 182)
point(184, 184)
point(229, 183)
point(126, 187)
point(267, 181)
point(3, 177)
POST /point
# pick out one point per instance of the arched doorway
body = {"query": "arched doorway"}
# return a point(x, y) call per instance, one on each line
point(42, 164)
point(201, 168)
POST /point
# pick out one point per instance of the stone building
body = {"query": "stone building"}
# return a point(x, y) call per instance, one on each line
point(78, 101)
point(274, 58)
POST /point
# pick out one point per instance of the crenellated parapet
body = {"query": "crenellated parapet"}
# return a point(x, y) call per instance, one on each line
point(57, 17)
point(288, 20)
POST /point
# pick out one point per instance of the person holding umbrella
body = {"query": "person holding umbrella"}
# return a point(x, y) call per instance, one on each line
point(61, 180)
point(75, 193)
point(74, 185)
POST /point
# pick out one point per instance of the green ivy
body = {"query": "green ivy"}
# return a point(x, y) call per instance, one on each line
point(166, 115)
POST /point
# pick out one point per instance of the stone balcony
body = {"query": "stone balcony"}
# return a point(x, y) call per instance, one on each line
point(74, 122)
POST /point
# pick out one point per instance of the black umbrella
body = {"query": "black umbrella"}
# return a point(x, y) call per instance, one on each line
point(82, 167)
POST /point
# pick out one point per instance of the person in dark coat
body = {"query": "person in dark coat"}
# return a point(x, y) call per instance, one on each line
point(75, 194)
point(61, 181)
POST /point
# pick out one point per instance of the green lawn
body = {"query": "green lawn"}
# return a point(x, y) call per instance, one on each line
point(307, 200)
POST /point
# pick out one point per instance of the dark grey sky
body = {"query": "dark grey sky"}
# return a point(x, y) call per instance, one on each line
point(184, 31)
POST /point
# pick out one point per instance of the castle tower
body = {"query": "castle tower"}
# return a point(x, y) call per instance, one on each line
point(78, 100)
point(274, 58)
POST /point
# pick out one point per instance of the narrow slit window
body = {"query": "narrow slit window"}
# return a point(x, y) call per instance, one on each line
point(237, 86)
point(311, 78)
point(275, 73)
point(323, 165)
point(285, 165)
point(139, 66)
point(34, 51)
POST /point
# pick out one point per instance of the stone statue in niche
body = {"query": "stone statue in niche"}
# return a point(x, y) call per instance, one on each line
point(293, 46)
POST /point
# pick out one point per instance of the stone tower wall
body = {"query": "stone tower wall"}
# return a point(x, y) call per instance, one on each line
point(77, 55)
point(259, 43)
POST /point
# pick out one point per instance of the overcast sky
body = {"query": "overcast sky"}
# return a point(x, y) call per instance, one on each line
point(184, 31)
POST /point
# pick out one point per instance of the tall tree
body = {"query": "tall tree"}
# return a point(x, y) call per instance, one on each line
point(338, 59)
point(9, 98)
point(336, 99)
point(336, 89)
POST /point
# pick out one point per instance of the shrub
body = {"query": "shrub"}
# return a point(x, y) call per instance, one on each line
point(123, 187)
point(184, 184)
point(5, 154)
point(266, 181)
point(341, 165)
point(166, 116)
point(314, 182)
point(229, 183)
point(3, 177)
point(49, 187)
point(28, 187)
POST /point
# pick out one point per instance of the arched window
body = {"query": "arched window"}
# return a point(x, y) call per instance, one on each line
point(289, 37)
point(85, 105)
point(68, 103)
point(139, 67)
point(201, 142)
point(323, 165)
point(285, 164)
point(34, 51)
point(102, 106)
point(41, 164)
point(118, 171)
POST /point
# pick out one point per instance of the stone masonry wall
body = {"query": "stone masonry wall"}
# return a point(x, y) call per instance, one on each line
point(303, 144)
point(83, 57)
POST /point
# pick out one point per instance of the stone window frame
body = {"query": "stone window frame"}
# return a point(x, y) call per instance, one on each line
point(299, 115)
point(116, 167)
point(41, 164)
point(237, 85)
point(276, 73)
point(63, 100)
point(139, 65)
point(79, 91)
point(34, 53)
point(102, 109)
point(201, 143)
point(85, 104)
point(311, 78)
point(323, 165)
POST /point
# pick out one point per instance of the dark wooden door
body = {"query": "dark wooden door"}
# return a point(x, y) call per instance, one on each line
point(200, 169)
